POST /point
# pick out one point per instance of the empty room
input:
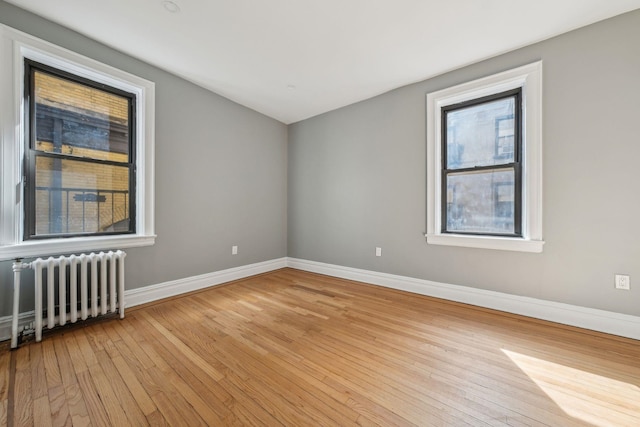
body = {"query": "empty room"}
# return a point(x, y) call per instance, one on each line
point(336, 213)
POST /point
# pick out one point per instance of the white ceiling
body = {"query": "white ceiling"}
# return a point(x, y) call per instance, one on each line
point(294, 59)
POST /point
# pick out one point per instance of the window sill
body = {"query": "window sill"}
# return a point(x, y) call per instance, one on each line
point(486, 242)
point(73, 244)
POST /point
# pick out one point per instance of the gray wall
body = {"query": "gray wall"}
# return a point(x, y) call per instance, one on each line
point(220, 174)
point(357, 178)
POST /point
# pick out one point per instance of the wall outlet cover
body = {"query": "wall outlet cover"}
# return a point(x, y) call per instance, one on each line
point(622, 281)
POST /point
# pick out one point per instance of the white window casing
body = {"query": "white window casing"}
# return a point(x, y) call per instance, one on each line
point(529, 78)
point(15, 47)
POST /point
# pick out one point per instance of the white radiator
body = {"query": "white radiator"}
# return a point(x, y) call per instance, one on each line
point(98, 278)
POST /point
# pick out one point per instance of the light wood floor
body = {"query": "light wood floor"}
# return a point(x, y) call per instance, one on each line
point(299, 349)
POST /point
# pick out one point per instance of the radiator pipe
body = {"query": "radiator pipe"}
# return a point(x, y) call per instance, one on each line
point(17, 268)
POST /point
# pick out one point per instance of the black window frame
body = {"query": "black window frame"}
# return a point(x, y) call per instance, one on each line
point(31, 153)
point(516, 165)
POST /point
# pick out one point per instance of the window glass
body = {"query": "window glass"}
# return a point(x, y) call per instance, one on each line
point(481, 202)
point(79, 120)
point(481, 135)
point(85, 198)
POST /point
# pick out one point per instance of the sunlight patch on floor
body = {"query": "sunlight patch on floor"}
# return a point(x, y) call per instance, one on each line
point(586, 396)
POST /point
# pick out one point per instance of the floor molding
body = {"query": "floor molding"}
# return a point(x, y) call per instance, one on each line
point(5, 323)
point(172, 288)
point(597, 320)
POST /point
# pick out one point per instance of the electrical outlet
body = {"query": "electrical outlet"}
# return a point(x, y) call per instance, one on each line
point(234, 250)
point(622, 281)
point(378, 251)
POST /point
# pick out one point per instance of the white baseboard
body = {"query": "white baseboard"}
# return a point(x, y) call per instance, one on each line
point(598, 320)
point(5, 323)
point(589, 318)
point(152, 293)
point(159, 291)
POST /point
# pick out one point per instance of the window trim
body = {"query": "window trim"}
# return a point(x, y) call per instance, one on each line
point(529, 79)
point(15, 47)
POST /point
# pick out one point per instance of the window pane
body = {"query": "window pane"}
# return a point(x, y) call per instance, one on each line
point(481, 135)
point(80, 197)
point(481, 202)
point(75, 119)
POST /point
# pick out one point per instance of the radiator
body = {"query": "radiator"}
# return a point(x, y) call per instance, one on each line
point(88, 285)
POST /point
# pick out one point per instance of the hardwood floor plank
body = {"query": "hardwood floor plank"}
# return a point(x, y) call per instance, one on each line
point(4, 407)
point(58, 407)
point(294, 348)
point(318, 397)
point(313, 400)
point(77, 360)
point(64, 363)
point(173, 405)
point(22, 398)
point(38, 375)
point(217, 399)
point(183, 348)
point(247, 409)
point(86, 349)
point(103, 384)
point(5, 375)
point(371, 385)
point(91, 397)
point(130, 342)
point(136, 389)
point(454, 386)
point(156, 419)
point(126, 400)
point(350, 402)
point(423, 383)
point(169, 378)
point(150, 386)
point(52, 371)
point(5, 360)
point(73, 398)
point(201, 407)
point(42, 412)
point(77, 406)
point(189, 391)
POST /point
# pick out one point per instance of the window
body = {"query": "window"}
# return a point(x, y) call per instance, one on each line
point(77, 146)
point(80, 160)
point(481, 179)
point(484, 163)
